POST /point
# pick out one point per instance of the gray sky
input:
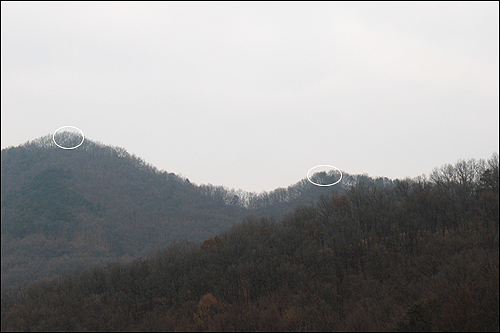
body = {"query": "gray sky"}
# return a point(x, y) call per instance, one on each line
point(253, 95)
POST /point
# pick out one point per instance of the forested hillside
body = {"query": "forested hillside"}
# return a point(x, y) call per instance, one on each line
point(70, 209)
point(421, 255)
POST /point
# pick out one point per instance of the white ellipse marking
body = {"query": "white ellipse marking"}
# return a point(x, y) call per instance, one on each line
point(324, 165)
point(53, 138)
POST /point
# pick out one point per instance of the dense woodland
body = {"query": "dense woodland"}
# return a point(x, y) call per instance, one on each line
point(66, 210)
point(407, 255)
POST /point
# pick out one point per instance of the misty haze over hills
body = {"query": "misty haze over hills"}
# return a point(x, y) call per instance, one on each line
point(205, 220)
point(233, 93)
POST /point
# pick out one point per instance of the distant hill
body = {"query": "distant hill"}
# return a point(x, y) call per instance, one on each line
point(70, 209)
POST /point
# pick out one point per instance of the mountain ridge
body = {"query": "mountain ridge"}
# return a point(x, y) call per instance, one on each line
point(100, 199)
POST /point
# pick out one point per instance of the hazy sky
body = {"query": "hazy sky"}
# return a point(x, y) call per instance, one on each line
point(253, 95)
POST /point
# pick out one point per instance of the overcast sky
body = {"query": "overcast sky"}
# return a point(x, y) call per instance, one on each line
point(253, 95)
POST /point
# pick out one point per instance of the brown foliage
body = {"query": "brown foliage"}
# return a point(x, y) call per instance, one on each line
point(341, 205)
point(213, 244)
point(206, 310)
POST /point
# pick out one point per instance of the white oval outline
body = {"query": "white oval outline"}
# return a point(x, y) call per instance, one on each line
point(322, 165)
point(53, 139)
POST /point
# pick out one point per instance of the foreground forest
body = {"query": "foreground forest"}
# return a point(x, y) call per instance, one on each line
point(421, 255)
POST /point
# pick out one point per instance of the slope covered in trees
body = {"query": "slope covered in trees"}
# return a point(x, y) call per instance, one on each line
point(70, 209)
point(419, 256)
point(66, 209)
